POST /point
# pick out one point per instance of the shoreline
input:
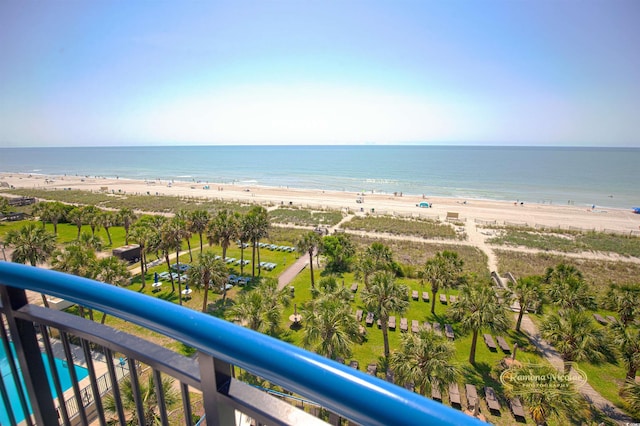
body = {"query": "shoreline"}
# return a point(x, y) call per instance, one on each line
point(570, 216)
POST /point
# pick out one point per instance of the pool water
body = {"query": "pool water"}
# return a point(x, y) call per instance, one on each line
point(63, 373)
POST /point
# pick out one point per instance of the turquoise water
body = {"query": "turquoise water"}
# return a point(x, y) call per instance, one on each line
point(603, 176)
point(63, 374)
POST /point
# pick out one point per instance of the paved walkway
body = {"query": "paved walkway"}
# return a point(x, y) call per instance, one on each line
point(290, 273)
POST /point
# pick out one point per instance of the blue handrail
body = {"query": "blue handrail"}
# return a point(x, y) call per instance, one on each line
point(351, 393)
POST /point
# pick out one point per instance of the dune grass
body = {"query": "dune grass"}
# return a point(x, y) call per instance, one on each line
point(424, 228)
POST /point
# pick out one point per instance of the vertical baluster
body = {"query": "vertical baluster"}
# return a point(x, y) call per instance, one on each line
point(160, 396)
point(115, 387)
point(94, 384)
point(186, 404)
point(6, 402)
point(215, 376)
point(74, 377)
point(62, 407)
point(135, 388)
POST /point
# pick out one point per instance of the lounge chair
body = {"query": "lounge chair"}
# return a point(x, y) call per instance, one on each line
point(611, 319)
point(372, 368)
point(472, 396)
point(355, 364)
point(436, 395)
point(437, 328)
point(492, 399)
point(517, 410)
point(443, 299)
point(369, 319)
point(404, 325)
point(414, 294)
point(415, 326)
point(503, 344)
point(448, 331)
point(354, 287)
point(600, 319)
point(427, 325)
point(359, 315)
point(454, 395)
point(453, 299)
point(488, 340)
point(392, 323)
point(389, 376)
point(425, 296)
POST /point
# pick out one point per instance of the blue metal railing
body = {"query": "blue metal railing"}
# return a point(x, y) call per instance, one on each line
point(357, 396)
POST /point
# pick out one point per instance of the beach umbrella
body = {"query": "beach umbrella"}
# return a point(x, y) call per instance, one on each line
point(155, 277)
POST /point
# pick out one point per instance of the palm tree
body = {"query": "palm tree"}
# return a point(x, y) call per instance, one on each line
point(377, 257)
point(222, 230)
point(576, 337)
point(149, 400)
point(626, 339)
point(208, 272)
point(309, 244)
point(77, 259)
point(329, 328)
point(624, 299)
point(567, 288)
point(91, 241)
point(383, 297)
point(31, 244)
point(185, 220)
point(172, 236)
point(261, 309)
point(107, 220)
point(199, 221)
point(339, 251)
point(126, 217)
point(112, 270)
point(141, 234)
point(631, 392)
point(527, 292)
point(76, 216)
point(479, 308)
point(442, 271)
point(566, 406)
point(258, 228)
point(92, 217)
point(244, 236)
point(52, 212)
point(424, 359)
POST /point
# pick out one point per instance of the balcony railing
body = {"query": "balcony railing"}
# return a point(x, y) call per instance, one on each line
point(221, 349)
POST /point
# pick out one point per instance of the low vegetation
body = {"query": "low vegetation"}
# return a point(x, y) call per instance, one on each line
point(303, 217)
point(423, 228)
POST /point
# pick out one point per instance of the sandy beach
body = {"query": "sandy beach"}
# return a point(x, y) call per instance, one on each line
point(481, 211)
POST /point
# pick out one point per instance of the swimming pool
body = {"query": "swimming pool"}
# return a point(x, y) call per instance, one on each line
point(63, 374)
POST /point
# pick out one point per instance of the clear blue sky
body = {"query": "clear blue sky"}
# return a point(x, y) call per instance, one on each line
point(516, 72)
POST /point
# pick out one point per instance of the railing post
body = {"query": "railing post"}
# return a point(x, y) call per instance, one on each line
point(215, 380)
point(25, 340)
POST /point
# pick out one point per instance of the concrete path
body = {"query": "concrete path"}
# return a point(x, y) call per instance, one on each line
point(290, 273)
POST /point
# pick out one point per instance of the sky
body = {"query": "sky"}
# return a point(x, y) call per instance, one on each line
point(153, 72)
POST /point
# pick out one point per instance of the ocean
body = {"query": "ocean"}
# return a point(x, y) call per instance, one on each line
point(606, 177)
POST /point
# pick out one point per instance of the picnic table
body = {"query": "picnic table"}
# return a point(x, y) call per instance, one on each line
point(448, 331)
point(369, 319)
point(503, 344)
point(492, 399)
point(454, 394)
point(425, 296)
point(472, 396)
point(404, 324)
point(488, 340)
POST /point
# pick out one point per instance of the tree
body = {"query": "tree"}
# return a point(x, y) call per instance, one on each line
point(91, 241)
point(222, 230)
point(261, 309)
point(185, 220)
point(309, 244)
point(31, 244)
point(107, 220)
point(479, 308)
point(257, 225)
point(624, 299)
point(77, 259)
point(141, 234)
point(76, 216)
point(329, 328)
point(207, 272)
point(339, 251)
point(424, 359)
point(631, 392)
point(126, 217)
point(544, 403)
point(383, 297)
point(626, 339)
point(377, 257)
point(149, 400)
point(92, 216)
point(114, 271)
point(527, 292)
point(442, 271)
point(172, 236)
point(567, 288)
point(576, 337)
point(52, 212)
point(199, 222)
